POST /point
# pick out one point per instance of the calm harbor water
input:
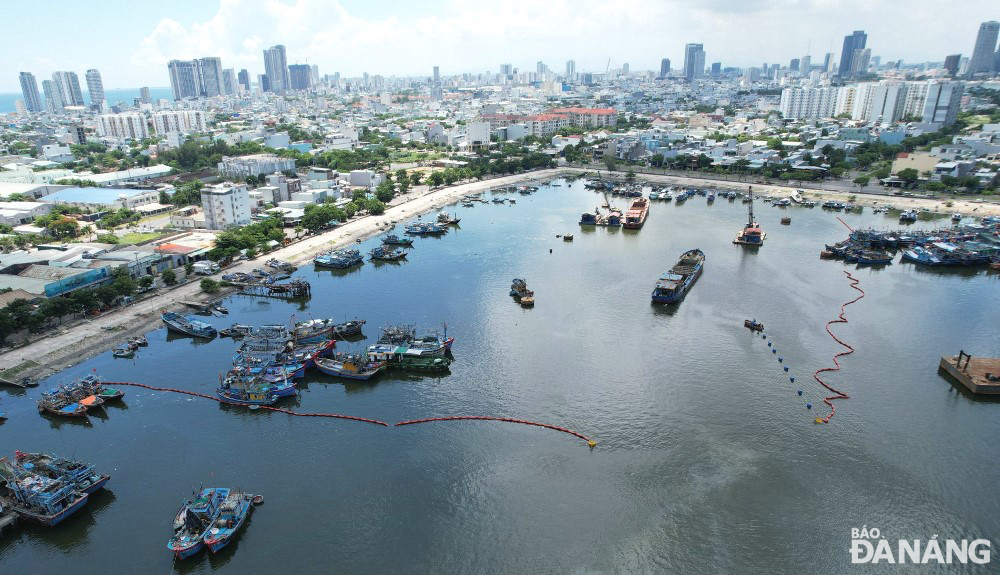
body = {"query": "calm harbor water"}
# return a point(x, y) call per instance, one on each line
point(707, 459)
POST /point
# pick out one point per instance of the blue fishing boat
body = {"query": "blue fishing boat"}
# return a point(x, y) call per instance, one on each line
point(77, 473)
point(340, 259)
point(38, 498)
point(425, 229)
point(874, 257)
point(672, 285)
point(387, 254)
point(178, 323)
point(233, 514)
point(193, 521)
point(239, 393)
point(922, 256)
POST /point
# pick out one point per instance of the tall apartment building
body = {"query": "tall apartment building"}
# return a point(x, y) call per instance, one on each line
point(942, 102)
point(856, 41)
point(983, 53)
point(299, 77)
point(244, 80)
point(694, 62)
point(951, 63)
point(570, 70)
point(229, 81)
point(276, 69)
point(69, 88)
point(123, 126)
point(185, 80)
point(179, 121)
point(225, 206)
point(53, 99)
point(29, 89)
point(664, 67)
point(210, 70)
point(95, 87)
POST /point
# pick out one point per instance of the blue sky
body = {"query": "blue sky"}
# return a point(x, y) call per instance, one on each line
point(130, 42)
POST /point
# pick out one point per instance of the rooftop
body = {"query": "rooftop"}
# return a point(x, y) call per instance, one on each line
point(103, 196)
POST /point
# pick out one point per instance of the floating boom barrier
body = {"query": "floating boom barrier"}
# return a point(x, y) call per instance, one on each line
point(589, 441)
point(837, 394)
point(278, 409)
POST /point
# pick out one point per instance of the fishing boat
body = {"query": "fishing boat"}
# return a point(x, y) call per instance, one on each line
point(38, 498)
point(348, 328)
point(387, 254)
point(753, 325)
point(92, 385)
point(528, 301)
point(233, 513)
point(123, 351)
point(81, 475)
point(590, 219)
point(350, 367)
point(177, 323)
point(782, 202)
point(193, 521)
point(519, 288)
point(672, 285)
point(280, 265)
point(711, 197)
point(874, 257)
point(636, 214)
point(425, 229)
point(956, 217)
point(413, 362)
point(236, 331)
point(432, 343)
point(568, 237)
point(499, 200)
point(394, 240)
point(60, 402)
point(908, 216)
point(311, 331)
point(246, 394)
point(340, 259)
point(139, 341)
point(922, 256)
point(444, 218)
point(751, 234)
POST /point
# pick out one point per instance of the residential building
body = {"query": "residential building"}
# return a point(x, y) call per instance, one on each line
point(886, 103)
point(144, 96)
point(95, 87)
point(185, 79)
point(951, 64)
point(179, 121)
point(210, 72)
point(240, 167)
point(827, 62)
point(29, 89)
point(916, 95)
point(797, 103)
point(856, 41)
point(942, 102)
point(592, 117)
point(860, 61)
point(983, 53)
point(694, 62)
point(244, 80)
point(478, 135)
point(716, 70)
point(225, 205)
point(299, 77)
point(276, 69)
point(69, 88)
point(805, 66)
point(123, 126)
point(664, 67)
point(229, 81)
point(570, 70)
point(53, 100)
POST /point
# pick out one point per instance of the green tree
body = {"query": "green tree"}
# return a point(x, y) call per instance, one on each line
point(145, 282)
point(415, 178)
point(908, 175)
point(189, 268)
point(208, 285)
point(435, 179)
point(169, 277)
point(630, 176)
point(862, 181)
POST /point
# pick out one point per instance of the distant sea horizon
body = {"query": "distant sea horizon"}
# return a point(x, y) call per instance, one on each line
point(113, 97)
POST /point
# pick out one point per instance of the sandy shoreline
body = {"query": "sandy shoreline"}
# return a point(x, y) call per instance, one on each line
point(72, 344)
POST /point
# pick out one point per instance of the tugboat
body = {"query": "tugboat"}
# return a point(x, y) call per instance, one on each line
point(672, 285)
point(751, 234)
point(636, 214)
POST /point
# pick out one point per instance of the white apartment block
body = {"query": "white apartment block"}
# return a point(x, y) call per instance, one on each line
point(240, 167)
point(179, 121)
point(123, 126)
point(225, 206)
point(808, 102)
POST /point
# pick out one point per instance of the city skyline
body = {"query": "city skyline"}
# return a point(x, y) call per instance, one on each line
point(379, 40)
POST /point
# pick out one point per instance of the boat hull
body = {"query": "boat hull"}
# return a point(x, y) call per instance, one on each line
point(52, 520)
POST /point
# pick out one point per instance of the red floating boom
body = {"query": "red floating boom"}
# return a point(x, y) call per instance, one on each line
point(840, 319)
point(589, 441)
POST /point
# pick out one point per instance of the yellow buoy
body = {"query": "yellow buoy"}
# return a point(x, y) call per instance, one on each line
point(818, 420)
point(592, 443)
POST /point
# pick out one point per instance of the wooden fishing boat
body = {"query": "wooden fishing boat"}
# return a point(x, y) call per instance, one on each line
point(753, 325)
point(81, 475)
point(193, 521)
point(350, 367)
point(233, 513)
point(38, 498)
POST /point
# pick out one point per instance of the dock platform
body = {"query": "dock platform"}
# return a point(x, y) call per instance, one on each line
point(980, 375)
